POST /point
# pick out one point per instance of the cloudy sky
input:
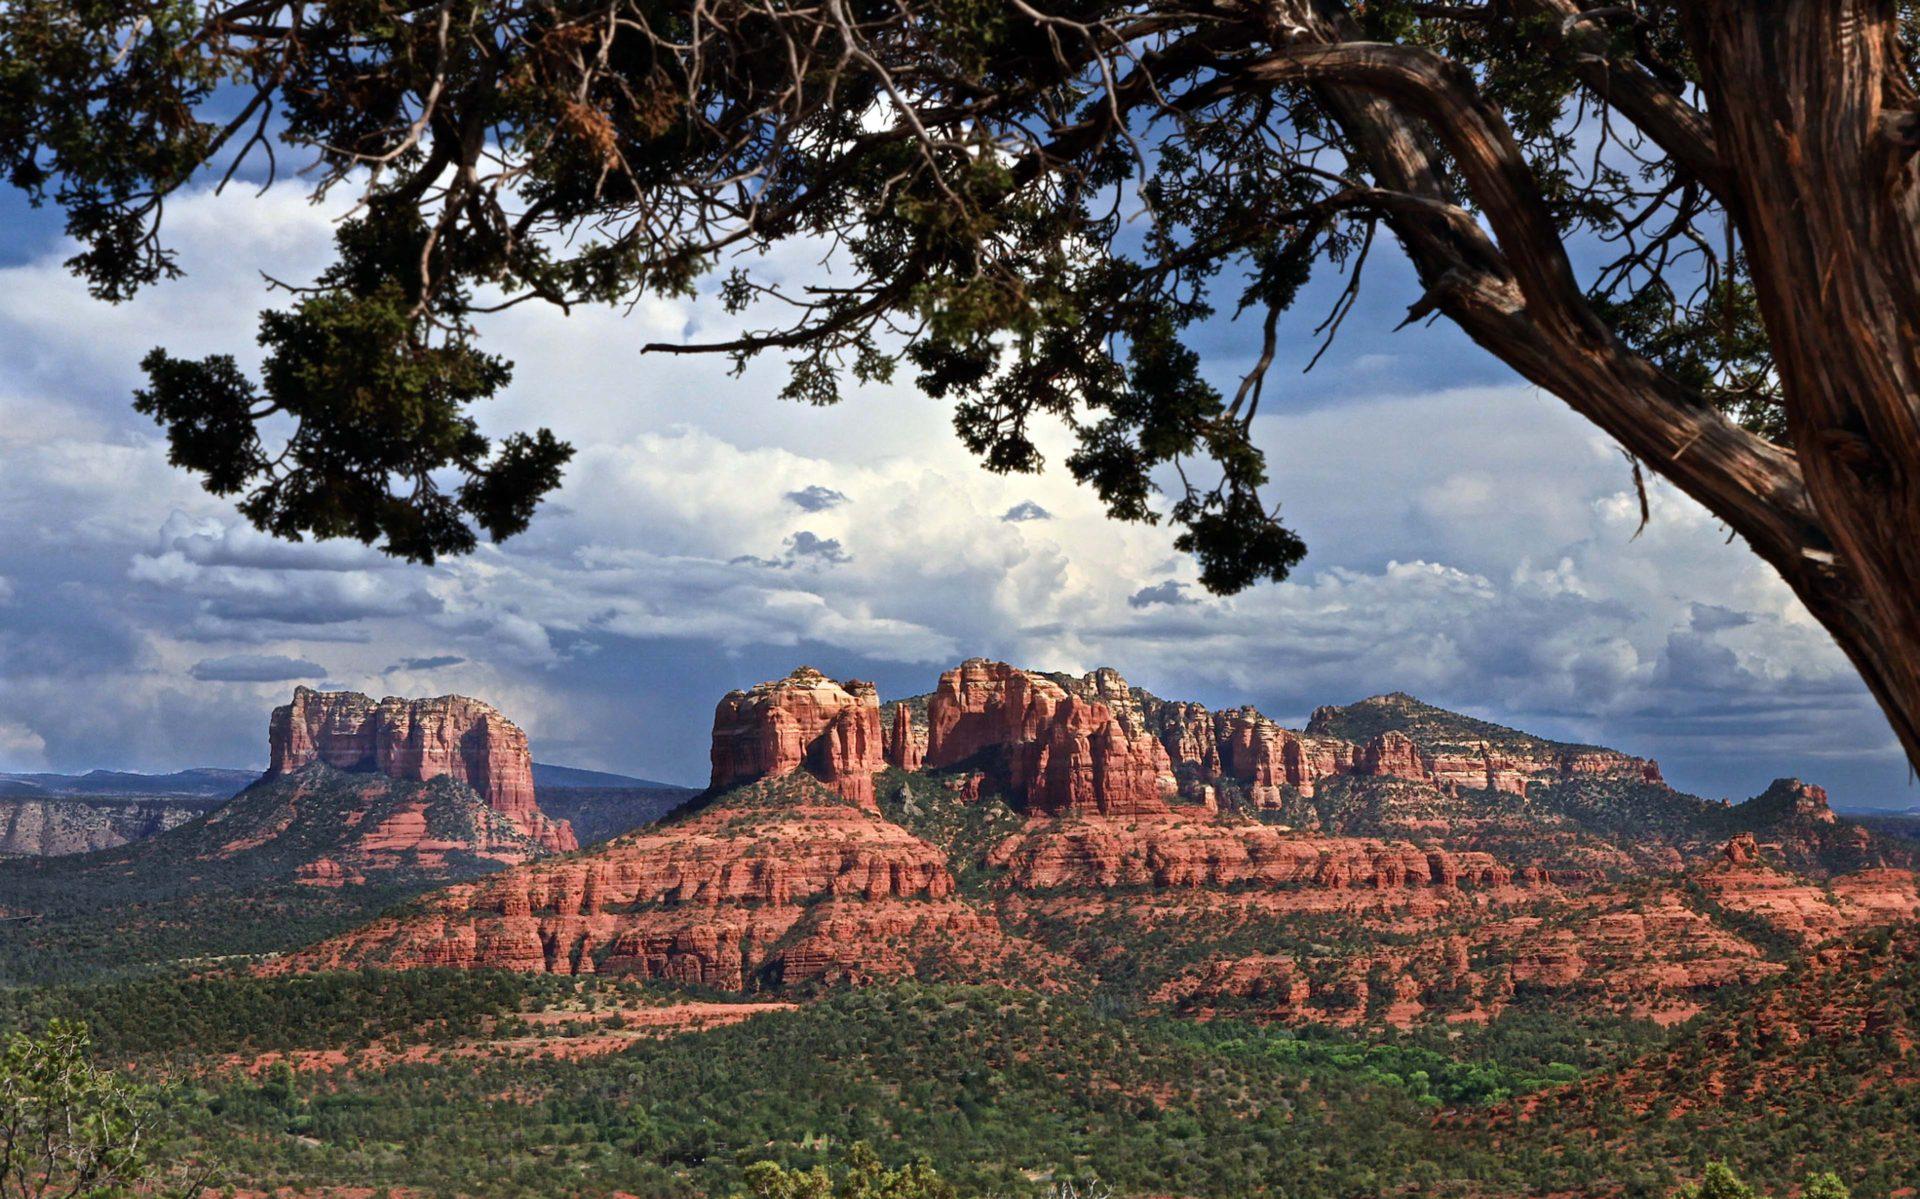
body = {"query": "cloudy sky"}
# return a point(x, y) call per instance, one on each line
point(1471, 542)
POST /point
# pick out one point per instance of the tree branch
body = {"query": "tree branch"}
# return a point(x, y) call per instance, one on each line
point(1394, 102)
point(1674, 125)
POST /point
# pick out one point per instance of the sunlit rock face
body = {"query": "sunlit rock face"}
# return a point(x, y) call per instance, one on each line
point(1080, 751)
point(1391, 863)
point(805, 721)
point(418, 739)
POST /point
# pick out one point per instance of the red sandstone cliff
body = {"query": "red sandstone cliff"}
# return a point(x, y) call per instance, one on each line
point(1064, 752)
point(906, 741)
point(776, 883)
point(417, 739)
point(805, 721)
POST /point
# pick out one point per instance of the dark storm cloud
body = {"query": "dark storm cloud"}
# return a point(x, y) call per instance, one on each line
point(255, 668)
point(1712, 618)
point(809, 545)
point(801, 547)
point(433, 663)
point(297, 605)
point(1169, 593)
point(816, 498)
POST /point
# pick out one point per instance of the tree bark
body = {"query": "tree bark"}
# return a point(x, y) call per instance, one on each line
point(1811, 107)
point(1832, 234)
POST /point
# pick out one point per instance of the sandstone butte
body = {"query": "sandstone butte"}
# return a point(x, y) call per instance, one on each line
point(1089, 746)
point(805, 721)
point(1453, 905)
point(420, 740)
point(788, 883)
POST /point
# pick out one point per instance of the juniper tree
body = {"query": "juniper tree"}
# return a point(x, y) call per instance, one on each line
point(1030, 203)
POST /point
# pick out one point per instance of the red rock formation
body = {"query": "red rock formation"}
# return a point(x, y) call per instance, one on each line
point(1393, 754)
point(775, 883)
point(982, 705)
point(325, 872)
point(805, 721)
point(906, 743)
point(1198, 850)
point(1260, 753)
point(1786, 1046)
point(1273, 984)
point(1395, 986)
point(1187, 732)
point(1064, 752)
point(1573, 763)
point(1791, 799)
point(1744, 880)
point(1449, 908)
point(1656, 958)
point(418, 739)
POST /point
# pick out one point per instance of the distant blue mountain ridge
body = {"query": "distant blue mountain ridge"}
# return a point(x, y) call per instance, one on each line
point(211, 782)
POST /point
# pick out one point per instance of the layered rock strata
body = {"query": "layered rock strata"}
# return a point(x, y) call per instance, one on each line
point(60, 825)
point(1070, 831)
point(420, 740)
point(805, 721)
point(1064, 752)
point(1095, 745)
point(782, 882)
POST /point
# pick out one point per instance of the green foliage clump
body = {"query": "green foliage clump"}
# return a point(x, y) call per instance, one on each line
point(928, 807)
point(185, 1018)
point(68, 1127)
point(861, 1176)
point(1720, 1182)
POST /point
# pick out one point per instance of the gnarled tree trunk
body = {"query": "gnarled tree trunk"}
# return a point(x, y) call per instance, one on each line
point(1808, 141)
point(1814, 114)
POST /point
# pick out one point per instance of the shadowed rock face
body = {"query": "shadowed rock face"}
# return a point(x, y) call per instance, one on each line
point(906, 742)
point(418, 739)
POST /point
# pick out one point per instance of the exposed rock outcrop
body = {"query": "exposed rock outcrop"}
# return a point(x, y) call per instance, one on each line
point(1258, 752)
point(805, 721)
point(56, 825)
point(1840, 1026)
point(1751, 878)
point(417, 739)
point(1791, 800)
point(906, 740)
point(1392, 863)
point(1197, 851)
point(1093, 744)
point(1064, 751)
point(328, 827)
point(1654, 956)
point(777, 883)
